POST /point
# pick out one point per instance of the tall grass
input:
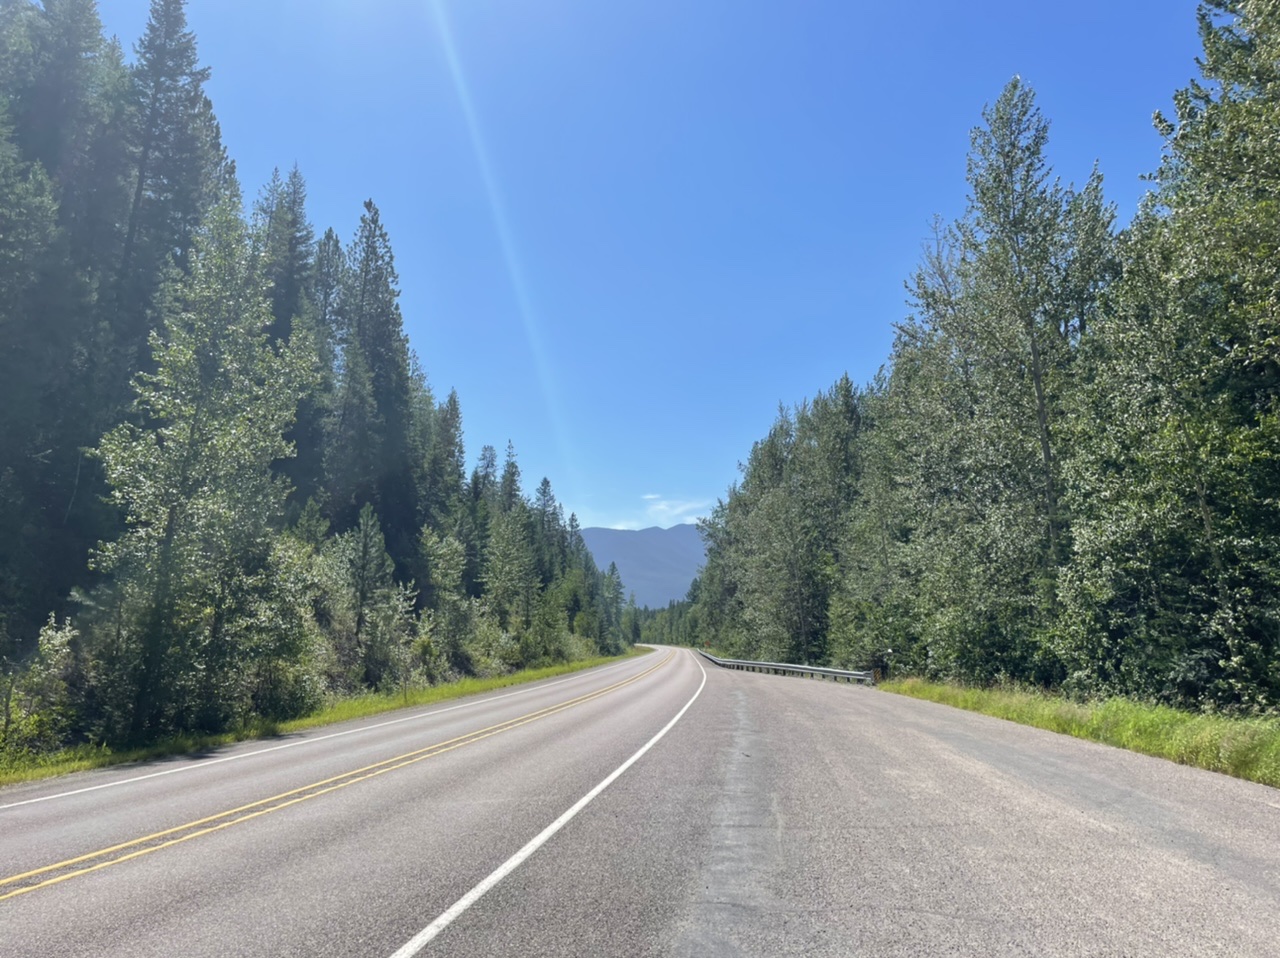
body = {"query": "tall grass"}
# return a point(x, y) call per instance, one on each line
point(25, 768)
point(1247, 748)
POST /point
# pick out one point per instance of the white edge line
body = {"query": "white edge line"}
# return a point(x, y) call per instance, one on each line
point(420, 940)
point(309, 741)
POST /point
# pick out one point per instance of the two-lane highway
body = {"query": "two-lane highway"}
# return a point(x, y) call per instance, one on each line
point(345, 841)
point(659, 806)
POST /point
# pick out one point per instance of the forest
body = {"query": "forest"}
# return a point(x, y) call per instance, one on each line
point(1067, 473)
point(227, 491)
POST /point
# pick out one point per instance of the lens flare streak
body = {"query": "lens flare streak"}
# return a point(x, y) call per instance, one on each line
point(515, 272)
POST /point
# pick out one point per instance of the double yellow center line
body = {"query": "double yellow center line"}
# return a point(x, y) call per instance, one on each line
point(29, 881)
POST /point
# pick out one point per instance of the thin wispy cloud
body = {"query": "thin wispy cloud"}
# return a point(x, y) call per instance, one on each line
point(654, 510)
point(672, 512)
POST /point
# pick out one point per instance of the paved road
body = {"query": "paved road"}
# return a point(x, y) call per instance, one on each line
point(777, 816)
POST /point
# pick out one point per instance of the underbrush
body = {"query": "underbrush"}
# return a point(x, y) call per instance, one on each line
point(23, 767)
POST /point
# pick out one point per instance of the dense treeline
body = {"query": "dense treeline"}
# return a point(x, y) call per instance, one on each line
point(226, 489)
point(1068, 473)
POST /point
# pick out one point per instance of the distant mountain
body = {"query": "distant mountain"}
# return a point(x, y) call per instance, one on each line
point(658, 565)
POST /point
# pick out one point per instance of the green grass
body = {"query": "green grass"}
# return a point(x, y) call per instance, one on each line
point(1247, 748)
point(83, 757)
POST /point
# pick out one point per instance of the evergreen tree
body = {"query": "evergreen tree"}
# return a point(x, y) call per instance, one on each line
point(372, 623)
point(551, 539)
point(509, 494)
point(451, 619)
point(328, 279)
point(481, 504)
point(354, 440)
point(285, 242)
point(28, 246)
point(444, 475)
point(141, 315)
point(68, 92)
point(510, 570)
point(50, 73)
point(612, 594)
point(371, 456)
point(178, 153)
point(285, 246)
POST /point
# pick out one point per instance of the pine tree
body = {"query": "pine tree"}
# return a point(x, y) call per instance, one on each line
point(510, 573)
point(328, 278)
point(509, 494)
point(444, 474)
point(178, 168)
point(68, 92)
point(353, 438)
point(50, 73)
point(286, 244)
point(482, 492)
point(285, 247)
point(371, 450)
point(552, 540)
point(452, 610)
point(376, 614)
point(28, 247)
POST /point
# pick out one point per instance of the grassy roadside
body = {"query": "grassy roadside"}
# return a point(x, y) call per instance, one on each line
point(83, 757)
point(1245, 748)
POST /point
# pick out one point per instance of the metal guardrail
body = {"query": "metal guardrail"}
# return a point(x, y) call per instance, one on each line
point(782, 668)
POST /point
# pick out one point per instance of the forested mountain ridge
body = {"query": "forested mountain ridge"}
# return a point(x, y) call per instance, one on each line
point(227, 490)
point(1066, 473)
point(658, 565)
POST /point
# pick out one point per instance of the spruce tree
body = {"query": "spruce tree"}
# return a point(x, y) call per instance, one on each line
point(285, 248)
point(372, 450)
point(178, 168)
point(67, 90)
point(444, 473)
point(28, 247)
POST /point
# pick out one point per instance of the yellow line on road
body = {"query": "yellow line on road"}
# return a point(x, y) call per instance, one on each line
point(294, 796)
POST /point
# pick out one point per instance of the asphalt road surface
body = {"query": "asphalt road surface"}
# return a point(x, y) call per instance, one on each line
point(758, 815)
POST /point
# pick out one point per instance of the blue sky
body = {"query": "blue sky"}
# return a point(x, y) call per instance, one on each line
point(627, 230)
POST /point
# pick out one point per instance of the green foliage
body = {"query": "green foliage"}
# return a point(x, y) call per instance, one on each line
point(978, 391)
point(372, 456)
point(29, 240)
point(452, 622)
point(197, 575)
point(28, 766)
point(1172, 591)
point(1067, 473)
point(773, 547)
point(38, 711)
point(222, 458)
point(368, 615)
point(510, 572)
